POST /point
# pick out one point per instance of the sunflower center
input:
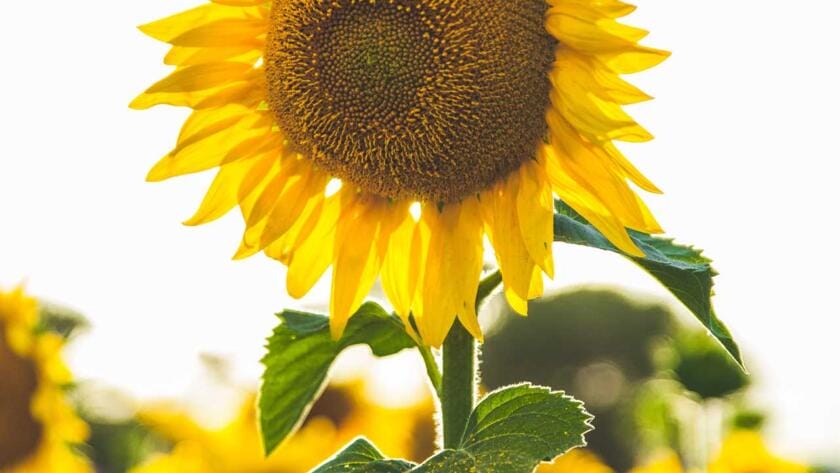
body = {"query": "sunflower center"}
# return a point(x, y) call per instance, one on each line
point(421, 99)
point(20, 433)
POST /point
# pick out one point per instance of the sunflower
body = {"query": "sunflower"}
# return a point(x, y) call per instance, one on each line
point(669, 463)
point(37, 425)
point(743, 451)
point(576, 461)
point(388, 138)
point(342, 413)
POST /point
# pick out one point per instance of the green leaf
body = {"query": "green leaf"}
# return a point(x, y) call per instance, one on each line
point(514, 429)
point(362, 457)
point(61, 320)
point(300, 353)
point(683, 270)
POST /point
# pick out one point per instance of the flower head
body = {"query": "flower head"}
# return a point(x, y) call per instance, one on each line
point(37, 425)
point(475, 114)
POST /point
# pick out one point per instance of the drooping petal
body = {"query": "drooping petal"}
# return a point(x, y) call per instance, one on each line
point(452, 271)
point(311, 259)
point(284, 247)
point(290, 204)
point(535, 209)
point(361, 242)
point(401, 268)
point(501, 218)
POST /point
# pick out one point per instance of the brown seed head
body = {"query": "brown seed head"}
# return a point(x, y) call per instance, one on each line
point(421, 99)
point(20, 433)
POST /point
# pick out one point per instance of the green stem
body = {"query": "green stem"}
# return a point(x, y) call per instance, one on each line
point(487, 286)
point(432, 369)
point(457, 396)
point(460, 372)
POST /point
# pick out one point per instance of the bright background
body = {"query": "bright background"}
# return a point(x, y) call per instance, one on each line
point(746, 117)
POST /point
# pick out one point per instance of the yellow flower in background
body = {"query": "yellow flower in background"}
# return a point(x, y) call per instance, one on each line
point(576, 461)
point(37, 425)
point(387, 138)
point(745, 452)
point(666, 464)
point(742, 452)
point(341, 414)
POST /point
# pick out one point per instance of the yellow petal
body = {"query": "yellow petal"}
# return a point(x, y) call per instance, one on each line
point(593, 10)
point(201, 77)
point(518, 303)
point(284, 247)
point(590, 74)
point(291, 172)
point(291, 203)
point(241, 140)
point(223, 194)
point(596, 119)
point(401, 267)
point(246, 94)
point(595, 170)
point(499, 209)
point(223, 33)
point(452, 271)
point(242, 3)
point(315, 254)
point(256, 211)
point(629, 170)
point(258, 179)
point(636, 59)
point(188, 56)
point(535, 209)
point(171, 27)
point(191, 84)
point(588, 205)
point(361, 242)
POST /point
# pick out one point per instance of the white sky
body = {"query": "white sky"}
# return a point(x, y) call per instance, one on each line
point(746, 119)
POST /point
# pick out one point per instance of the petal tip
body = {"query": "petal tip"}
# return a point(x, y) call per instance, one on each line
point(140, 103)
point(157, 173)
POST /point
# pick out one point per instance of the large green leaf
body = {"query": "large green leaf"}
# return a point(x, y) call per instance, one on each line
point(683, 270)
point(514, 429)
point(300, 353)
point(362, 457)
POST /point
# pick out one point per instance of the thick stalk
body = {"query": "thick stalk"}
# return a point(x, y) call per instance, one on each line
point(460, 372)
point(457, 396)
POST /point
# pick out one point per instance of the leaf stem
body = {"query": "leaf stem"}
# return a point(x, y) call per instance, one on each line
point(487, 286)
point(432, 369)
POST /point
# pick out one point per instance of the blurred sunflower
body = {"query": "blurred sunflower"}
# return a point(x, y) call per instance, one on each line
point(666, 464)
point(743, 451)
point(576, 461)
point(388, 137)
point(341, 414)
point(37, 426)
